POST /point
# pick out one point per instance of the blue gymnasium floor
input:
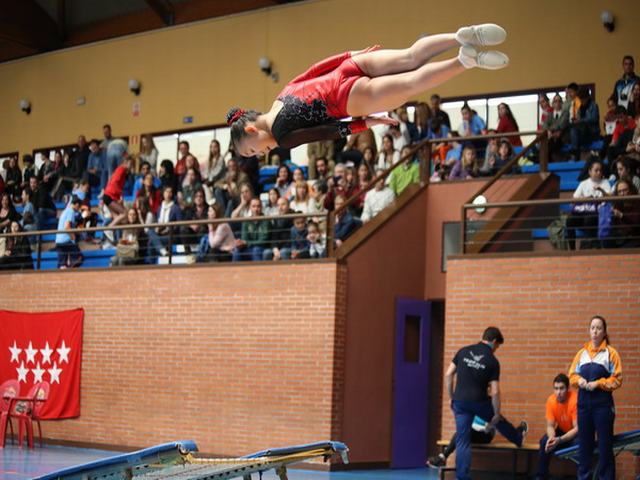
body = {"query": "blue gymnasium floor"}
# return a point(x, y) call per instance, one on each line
point(23, 464)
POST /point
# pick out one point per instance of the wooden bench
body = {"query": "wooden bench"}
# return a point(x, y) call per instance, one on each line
point(526, 448)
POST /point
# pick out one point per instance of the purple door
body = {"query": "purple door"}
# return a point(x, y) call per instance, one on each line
point(411, 383)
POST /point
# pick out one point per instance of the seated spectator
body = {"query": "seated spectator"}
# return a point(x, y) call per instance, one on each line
point(400, 134)
point(405, 175)
point(505, 155)
point(213, 170)
point(218, 243)
point(302, 202)
point(317, 241)
point(42, 203)
point(82, 191)
point(227, 190)
point(298, 176)
point(562, 423)
point(132, 246)
point(437, 112)
point(191, 234)
point(467, 167)
point(250, 166)
point(13, 180)
point(622, 134)
point(472, 125)
point(270, 207)
point(633, 147)
point(190, 185)
point(17, 251)
point(490, 157)
point(145, 169)
point(112, 196)
point(69, 255)
point(610, 119)
point(388, 155)
point(97, 172)
point(439, 130)
point(151, 190)
point(28, 222)
point(337, 185)
point(169, 212)
point(8, 213)
point(146, 215)
point(345, 224)
point(280, 233)
point(585, 128)
point(507, 124)
point(191, 163)
point(362, 182)
point(625, 218)
point(623, 168)
point(254, 239)
point(181, 164)
point(377, 199)
point(318, 193)
point(167, 176)
point(283, 180)
point(368, 158)
point(355, 146)
point(546, 110)
point(298, 246)
point(148, 153)
point(321, 149)
point(28, 171)
point(634, 100)
point(585, 215)
point(243, 208)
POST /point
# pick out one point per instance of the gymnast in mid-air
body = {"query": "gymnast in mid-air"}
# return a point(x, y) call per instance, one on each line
point(315, 105)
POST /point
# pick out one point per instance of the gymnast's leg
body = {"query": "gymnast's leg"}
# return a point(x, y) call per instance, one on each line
point(386, 62)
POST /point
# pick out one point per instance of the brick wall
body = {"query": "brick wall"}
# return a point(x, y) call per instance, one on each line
point(543, 306)
point(238, 358)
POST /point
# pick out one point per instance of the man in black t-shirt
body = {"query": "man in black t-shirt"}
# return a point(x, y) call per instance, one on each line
point(477, 393)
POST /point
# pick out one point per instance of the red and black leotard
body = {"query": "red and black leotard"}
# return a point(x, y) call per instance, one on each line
point(314, 103)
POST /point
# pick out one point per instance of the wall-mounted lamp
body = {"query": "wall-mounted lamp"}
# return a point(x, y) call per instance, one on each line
point(608, 20)
point(265, 65)
point(25, 106)
point(134, 86)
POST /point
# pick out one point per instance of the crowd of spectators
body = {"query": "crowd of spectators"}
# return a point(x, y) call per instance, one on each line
point(226, 186)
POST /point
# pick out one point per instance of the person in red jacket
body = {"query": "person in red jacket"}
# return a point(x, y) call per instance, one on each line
point(507, 123)
point(112, 196)
point(358, 84)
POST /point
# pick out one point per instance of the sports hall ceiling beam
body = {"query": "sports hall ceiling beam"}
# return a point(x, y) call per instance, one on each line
point(164, 9)
point(24, 22)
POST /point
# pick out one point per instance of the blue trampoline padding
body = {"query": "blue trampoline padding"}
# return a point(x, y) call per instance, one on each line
point(276, 452)
point(125, 460)
point(627, 441)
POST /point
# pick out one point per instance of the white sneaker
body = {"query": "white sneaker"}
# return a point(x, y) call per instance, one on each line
point(469, 57)
point(163, 252)
point(483, 35)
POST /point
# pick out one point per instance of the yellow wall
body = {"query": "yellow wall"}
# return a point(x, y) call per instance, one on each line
point(204, 68)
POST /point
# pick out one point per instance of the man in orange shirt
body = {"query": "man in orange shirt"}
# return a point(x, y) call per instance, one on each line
point(562, 422)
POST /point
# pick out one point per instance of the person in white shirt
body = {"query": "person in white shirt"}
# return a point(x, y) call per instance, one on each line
point(376, 199)
point(585, 215)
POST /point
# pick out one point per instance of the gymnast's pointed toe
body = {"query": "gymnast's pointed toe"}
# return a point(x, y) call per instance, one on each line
point(481, 35)
point(469, 57)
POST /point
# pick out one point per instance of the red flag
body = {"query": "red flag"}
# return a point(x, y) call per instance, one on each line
point(44, 347)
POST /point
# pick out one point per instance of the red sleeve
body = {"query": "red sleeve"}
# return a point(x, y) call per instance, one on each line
point(116, 183)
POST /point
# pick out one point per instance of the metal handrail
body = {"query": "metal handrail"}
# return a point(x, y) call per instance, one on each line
point(551, 201)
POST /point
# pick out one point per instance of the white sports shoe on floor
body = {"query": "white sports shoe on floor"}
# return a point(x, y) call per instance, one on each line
point(482, 35)
point(469, 57)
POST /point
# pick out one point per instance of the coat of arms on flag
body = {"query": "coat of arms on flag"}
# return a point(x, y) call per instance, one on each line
point(37, 347)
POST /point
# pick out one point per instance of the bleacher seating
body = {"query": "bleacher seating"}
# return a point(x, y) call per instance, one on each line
point(92, 259)
point(567, 171)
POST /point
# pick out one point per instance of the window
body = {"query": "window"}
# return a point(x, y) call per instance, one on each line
point(6, 156)
point(51, 151)
point(199, 140)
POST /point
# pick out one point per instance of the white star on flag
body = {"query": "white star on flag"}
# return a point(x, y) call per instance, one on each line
point(31, 353)
point(46, 353)
point(22, 373)
point(37, 373)
point(15, 352)
point(54, 373)
point(63, 352)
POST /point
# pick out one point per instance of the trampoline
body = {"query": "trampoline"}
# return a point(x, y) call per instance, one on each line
point(179, 461)
point(623, 442)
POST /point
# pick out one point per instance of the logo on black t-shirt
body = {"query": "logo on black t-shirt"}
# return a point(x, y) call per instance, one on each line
point(474, 361)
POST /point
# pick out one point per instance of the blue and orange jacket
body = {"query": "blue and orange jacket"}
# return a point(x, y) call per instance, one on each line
point(601, 365)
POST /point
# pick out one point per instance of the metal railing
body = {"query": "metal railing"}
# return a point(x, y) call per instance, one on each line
point(560, 224)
